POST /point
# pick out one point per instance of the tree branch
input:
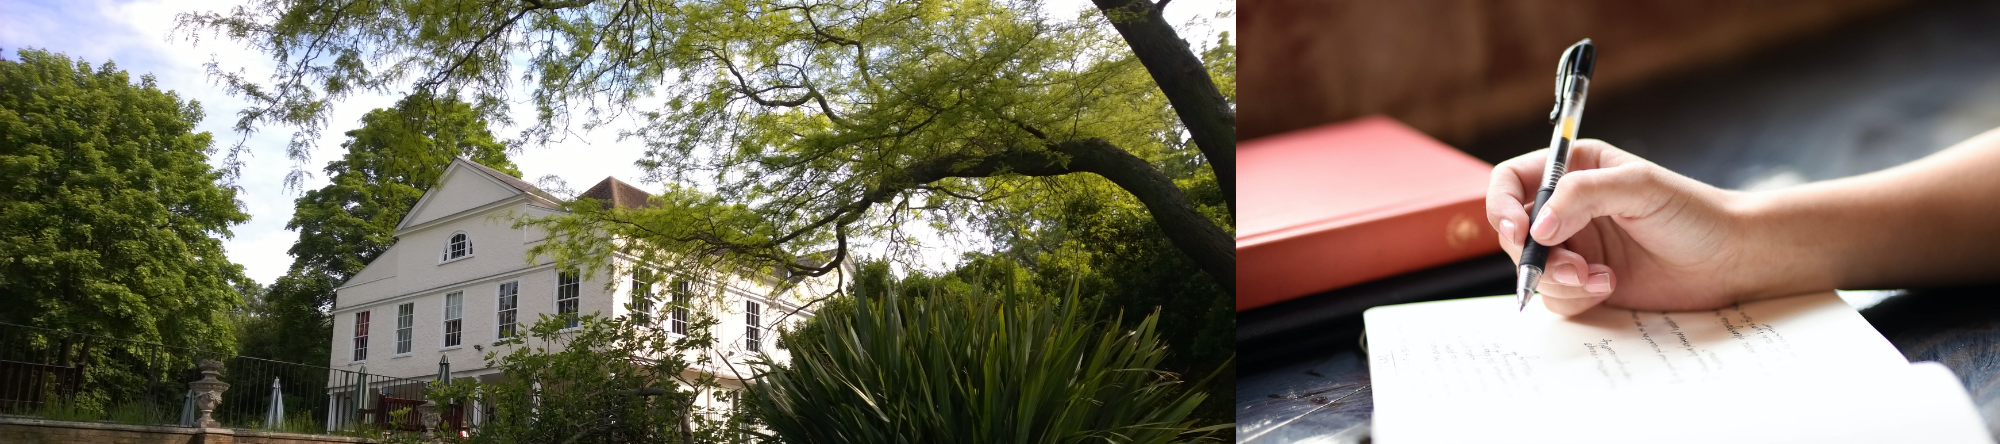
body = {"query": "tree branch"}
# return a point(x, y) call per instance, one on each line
point(1211, 248)
point(1208, 116)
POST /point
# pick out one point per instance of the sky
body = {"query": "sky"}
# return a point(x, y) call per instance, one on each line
point(138, 36)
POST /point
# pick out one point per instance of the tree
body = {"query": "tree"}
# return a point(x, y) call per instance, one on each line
point(394, 156)
point(825, 120)
point(109, 223)
point(109, 212)
point(1088, 234)
point(974, 366)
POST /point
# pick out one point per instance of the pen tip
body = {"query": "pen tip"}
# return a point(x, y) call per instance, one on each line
point(1524, 288)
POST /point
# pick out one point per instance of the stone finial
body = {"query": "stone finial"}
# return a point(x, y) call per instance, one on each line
point(208, 392)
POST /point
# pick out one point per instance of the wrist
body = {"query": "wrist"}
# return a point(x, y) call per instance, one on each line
point(1784, 245)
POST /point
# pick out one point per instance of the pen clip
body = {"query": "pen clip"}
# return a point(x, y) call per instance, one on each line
point(1562, 81)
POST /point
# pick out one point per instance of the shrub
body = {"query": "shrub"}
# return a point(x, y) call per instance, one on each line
point(962, 367)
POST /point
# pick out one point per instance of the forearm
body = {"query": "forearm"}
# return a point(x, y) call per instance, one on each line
point(1934, 221)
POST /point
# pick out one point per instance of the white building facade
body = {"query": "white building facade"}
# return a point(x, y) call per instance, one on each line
point(458, 280)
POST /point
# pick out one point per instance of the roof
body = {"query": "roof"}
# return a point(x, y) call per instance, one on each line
point(510, 180)
point(617, 194)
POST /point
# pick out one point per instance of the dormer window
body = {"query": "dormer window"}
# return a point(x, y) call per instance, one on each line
point(459, 247)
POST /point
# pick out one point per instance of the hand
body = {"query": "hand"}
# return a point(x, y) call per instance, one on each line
point(1624, 232)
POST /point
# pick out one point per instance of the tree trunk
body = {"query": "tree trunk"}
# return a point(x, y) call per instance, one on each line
point(1186, 83)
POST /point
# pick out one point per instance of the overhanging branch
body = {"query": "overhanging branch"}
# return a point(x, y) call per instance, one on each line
point(1194, 234)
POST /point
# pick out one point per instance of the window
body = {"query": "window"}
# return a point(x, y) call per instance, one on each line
point(361, 336)
point(753, 333)
point(406, 319)
point(458, 247)
point(642, 293)
point(683, 295)
point(510, 299)
point(454, 314)
point(567, 286)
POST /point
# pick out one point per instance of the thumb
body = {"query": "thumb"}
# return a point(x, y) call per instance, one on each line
point(1633, 190)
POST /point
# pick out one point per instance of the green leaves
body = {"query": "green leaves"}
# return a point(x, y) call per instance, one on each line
point(796, 111)
point(109, 212)
point(610, 380)
point(961, 366)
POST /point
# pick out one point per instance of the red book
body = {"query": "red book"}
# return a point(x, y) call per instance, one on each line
point(1351, 202)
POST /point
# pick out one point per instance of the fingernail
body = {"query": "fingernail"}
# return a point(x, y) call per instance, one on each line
point(1599, 283)
point(1564, 274)
point(1545, 226)
point(1507, 231)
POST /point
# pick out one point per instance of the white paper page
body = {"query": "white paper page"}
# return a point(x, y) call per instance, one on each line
point(1473, 369)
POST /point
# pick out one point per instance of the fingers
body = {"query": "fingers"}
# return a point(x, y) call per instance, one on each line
point(1596, 284)
point(1513, 181)
point(1506, 190)
point(1503, 210)
point(1570, 284)
point(1600, 180)
point(1565, 268)
point(1633, 190)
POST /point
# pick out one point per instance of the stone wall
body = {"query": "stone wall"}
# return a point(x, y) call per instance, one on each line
point(38, 431)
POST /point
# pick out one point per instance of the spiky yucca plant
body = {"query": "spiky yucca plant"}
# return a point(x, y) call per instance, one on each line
point(972, 368)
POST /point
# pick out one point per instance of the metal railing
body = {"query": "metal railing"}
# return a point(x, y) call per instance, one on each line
point(63, 375)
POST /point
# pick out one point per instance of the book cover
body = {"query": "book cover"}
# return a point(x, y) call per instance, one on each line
point(1350, 202)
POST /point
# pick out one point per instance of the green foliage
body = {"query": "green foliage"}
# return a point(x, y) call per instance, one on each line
point(610, 380)
point(110, 215)
point(1087, 236)
point(391, 159)
point(67, 410)
point(817, 121)
point(969, 366)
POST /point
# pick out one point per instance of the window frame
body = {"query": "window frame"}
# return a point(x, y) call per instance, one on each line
point(575, 299)
point(506, 315)
point(406, 328)
point(451, 243)
point(683, 294)
point(453, 326)
point(642, 291)
point(361, 321)
point(753, 317)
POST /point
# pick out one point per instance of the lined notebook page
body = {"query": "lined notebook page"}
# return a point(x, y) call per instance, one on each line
point(1801, 369)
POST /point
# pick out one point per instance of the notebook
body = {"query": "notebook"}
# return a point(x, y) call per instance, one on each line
point(1351, 202)
point(1799, 369)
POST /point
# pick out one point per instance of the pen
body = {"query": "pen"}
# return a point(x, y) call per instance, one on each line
point(1572, 84)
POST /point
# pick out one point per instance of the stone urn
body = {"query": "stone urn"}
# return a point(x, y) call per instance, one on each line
point(428, 414)
point(208, 393)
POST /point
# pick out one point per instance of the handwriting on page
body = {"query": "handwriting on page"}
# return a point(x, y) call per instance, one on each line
point(1473, 370)
point(1481, 353)
point(1678, 356)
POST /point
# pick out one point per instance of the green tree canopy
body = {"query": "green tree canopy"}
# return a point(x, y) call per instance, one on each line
point(110, 215)
point(818, 120)
point(394, 156)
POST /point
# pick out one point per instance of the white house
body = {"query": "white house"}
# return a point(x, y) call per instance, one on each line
point(457, 280)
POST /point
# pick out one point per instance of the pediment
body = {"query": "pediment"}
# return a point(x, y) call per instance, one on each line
point(463, 186)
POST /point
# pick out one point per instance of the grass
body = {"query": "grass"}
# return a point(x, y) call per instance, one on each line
point(68, 411)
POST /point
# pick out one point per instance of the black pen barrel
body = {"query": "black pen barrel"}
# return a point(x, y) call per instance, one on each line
point(1534, 253)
